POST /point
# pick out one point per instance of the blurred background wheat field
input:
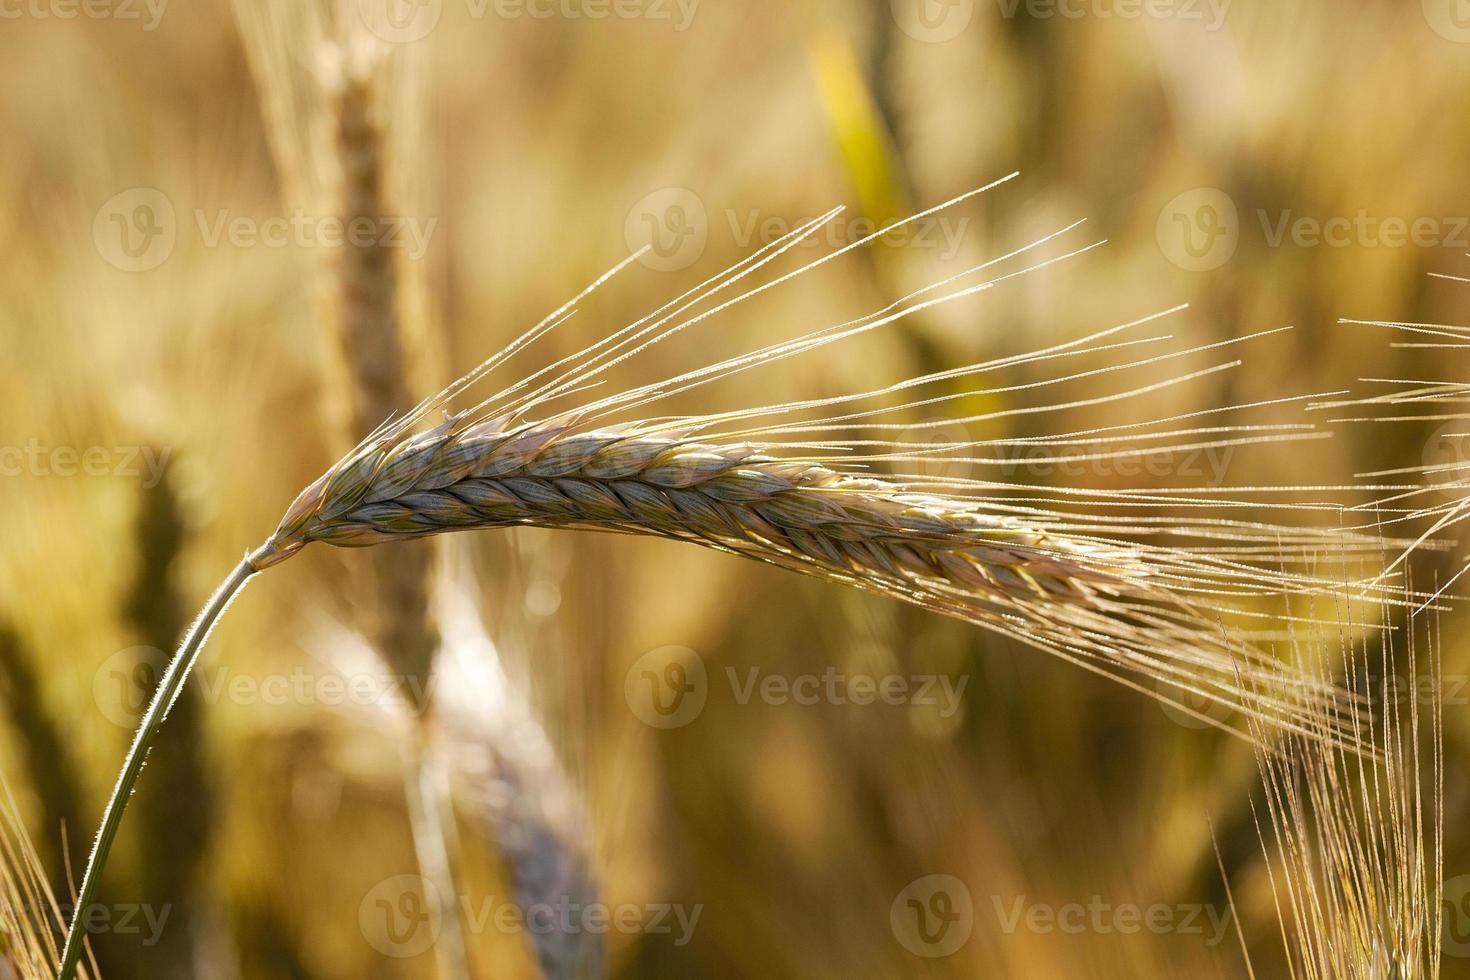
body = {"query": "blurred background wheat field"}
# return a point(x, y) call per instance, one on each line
point(168, 306)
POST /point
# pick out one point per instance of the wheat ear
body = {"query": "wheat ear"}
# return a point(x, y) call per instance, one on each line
point(370, 348)
point(1074, 584)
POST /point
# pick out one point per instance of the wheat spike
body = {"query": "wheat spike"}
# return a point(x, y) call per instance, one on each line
point(1092, 586)
point(1075, 585)
point(1074, 594)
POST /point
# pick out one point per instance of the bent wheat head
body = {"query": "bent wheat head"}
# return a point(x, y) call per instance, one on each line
point(1095, 591)
point(1077, 579)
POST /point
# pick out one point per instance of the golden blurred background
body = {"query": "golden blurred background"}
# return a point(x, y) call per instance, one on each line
point(170, 388)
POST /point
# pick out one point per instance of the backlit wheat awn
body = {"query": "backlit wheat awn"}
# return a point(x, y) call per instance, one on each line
point(1354, 846)
point(1439, 499)
point(796, 485)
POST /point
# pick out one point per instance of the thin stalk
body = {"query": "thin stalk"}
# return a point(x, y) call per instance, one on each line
point(432, 823)
point(163, 699)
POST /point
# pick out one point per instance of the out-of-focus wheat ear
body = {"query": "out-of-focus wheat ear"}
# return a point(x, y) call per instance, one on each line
point(50, 769)
point(30, 916)
point(515, 788)
point(332, 93)
point(370, 345)
point(370, 337)
point(336, 103)
point(176, 805)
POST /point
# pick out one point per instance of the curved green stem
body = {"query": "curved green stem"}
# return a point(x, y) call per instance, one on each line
point(163, 699)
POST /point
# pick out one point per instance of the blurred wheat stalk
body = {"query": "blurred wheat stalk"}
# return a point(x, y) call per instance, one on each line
point(343, 110)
